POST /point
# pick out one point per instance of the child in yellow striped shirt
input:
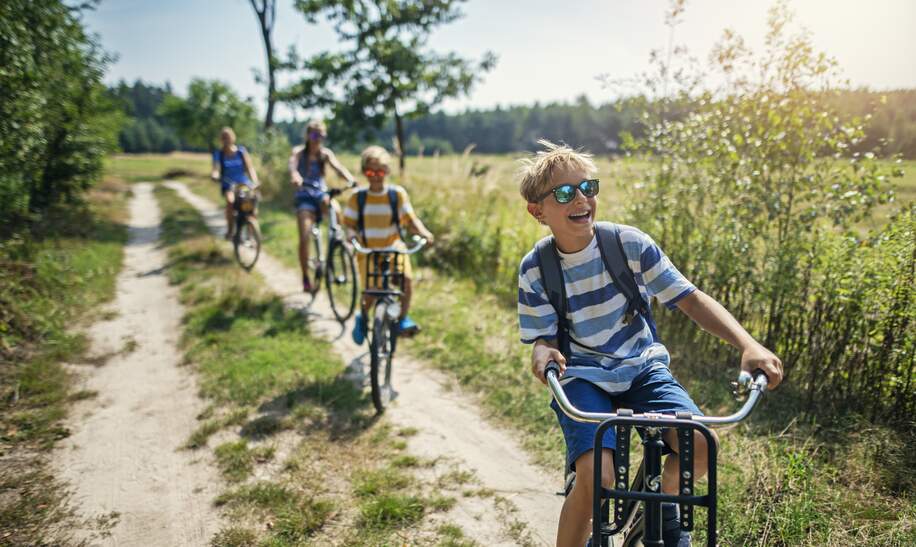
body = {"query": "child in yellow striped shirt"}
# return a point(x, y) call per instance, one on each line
point(385, 209)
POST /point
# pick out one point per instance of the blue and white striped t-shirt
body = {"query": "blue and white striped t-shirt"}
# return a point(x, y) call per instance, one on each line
point(605, 350)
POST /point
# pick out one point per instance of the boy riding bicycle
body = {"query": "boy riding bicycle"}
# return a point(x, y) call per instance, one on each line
point(374, 215)
point(613, 357)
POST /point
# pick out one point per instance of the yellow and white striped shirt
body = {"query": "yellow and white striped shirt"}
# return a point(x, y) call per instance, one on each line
point(379, 230)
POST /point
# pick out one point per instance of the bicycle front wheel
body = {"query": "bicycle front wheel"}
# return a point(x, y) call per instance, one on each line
point(247, 244)
point(381, 349)
point(341, 280)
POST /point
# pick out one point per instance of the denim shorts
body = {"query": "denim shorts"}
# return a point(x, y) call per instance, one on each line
point(653, 390)
point(310, 200)
point(225, 185)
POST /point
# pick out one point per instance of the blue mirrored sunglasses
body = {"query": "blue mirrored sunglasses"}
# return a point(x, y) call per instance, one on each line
point(565, 193)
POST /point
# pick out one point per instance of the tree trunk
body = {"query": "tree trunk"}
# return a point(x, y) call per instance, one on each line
point(266, 18)
point(399, 127)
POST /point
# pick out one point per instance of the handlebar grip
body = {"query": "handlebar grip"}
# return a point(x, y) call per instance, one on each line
point(334, 192)
point(553, 367)
point(758, 378)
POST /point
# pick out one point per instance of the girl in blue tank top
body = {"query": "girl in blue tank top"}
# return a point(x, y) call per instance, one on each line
point(232, 165)
point(306, 170)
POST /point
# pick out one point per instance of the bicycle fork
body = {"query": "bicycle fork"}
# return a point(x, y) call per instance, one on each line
point(650, 492)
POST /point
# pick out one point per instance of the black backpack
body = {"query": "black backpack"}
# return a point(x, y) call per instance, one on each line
point(361, 196)
point(615, 262)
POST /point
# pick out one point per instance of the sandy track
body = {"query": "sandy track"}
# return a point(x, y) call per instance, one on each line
point(449, 423)
point(123, 456)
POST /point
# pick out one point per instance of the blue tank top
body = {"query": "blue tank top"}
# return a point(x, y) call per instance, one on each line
point(312, 177)
point(233, 166)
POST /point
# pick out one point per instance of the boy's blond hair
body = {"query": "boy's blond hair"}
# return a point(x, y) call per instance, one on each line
point(376, 153)
point(536, 173)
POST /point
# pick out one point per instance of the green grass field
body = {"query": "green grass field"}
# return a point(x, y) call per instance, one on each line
point(345, 478)
point(784, 481)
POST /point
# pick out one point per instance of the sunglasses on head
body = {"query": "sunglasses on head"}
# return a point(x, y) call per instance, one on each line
point(565, 193)
point(374, 173)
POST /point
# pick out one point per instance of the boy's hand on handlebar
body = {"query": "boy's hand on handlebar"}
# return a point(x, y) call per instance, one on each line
point(758, 357)
point(543, 354)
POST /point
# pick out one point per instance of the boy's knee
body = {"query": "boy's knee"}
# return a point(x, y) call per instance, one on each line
point(585, 472)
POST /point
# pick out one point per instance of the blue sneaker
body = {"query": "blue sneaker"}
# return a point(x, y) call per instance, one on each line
point(407, 327)
point(359, 329)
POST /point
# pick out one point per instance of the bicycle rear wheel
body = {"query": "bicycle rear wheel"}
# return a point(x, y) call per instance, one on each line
point(381, 349)
point(315, 266)
point(247, 244)
point(341, 280)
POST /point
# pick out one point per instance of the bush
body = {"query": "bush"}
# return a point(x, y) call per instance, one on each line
point(755, 195)
point(56, 120)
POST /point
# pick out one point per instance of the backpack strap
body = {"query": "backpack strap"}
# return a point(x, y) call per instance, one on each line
point(552, 276)
point(361, 196)
point(395, 216)
point(615, 261)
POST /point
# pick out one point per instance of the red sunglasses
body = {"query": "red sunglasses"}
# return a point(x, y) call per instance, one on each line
point(374, 173)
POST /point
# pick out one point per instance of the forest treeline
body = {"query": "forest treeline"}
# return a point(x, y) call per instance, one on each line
point(599, 128)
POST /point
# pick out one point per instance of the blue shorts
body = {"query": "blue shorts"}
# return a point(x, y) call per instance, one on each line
point(310, 200)
point(225, 185)
point(653, 390)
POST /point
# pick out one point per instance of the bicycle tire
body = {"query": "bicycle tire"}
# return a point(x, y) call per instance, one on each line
point(315, 266)
point(381, 349)
point(340, 278)
point(246, 243)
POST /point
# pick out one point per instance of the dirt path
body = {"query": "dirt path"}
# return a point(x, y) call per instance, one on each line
point(123, 459)
point(449, 423)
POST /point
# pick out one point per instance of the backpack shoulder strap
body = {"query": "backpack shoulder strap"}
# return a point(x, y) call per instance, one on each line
point(393, 202)
point(615, 260)
point(552, 277)
point(361, 196)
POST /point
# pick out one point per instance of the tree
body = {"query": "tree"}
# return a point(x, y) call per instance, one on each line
point(387, 69)
point(266, 11)
point(210, 106)
point(56, 120)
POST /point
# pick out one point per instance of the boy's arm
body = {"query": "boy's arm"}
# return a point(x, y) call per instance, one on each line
point(417, 226)
point(712, 317)
point(350, 217)
point(413, 221)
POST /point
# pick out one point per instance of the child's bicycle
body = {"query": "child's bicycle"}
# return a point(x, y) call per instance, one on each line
point(337, 267)
point(246, 239)
point(641, 524)
point(385, 282)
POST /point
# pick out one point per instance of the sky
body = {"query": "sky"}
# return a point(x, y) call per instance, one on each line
point(548, 50)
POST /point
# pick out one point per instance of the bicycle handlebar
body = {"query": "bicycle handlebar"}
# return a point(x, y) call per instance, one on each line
point(756, 385)
point(420, 242)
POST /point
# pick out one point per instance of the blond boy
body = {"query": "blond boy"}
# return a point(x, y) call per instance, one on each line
point(614, 358)
point(386, 208)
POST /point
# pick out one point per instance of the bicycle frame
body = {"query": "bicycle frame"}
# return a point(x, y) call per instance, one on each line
point(652, 497)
